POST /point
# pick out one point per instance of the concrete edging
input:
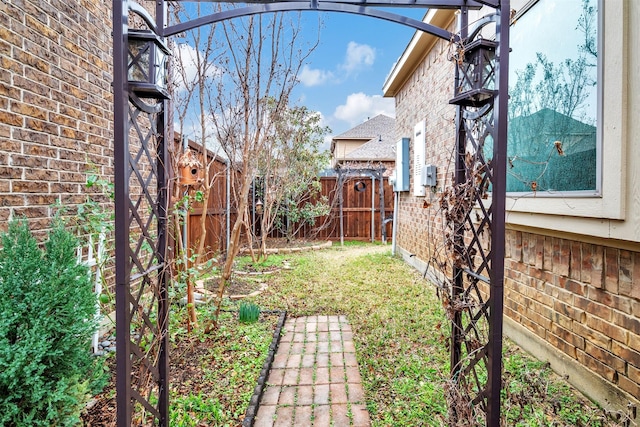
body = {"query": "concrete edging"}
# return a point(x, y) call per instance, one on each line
point(271, 251)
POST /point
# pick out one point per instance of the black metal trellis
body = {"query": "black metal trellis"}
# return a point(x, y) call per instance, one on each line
point(477, 242)
point(141, 194)
point(141, 170)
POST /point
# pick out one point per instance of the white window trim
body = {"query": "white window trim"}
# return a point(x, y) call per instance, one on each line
point(419, 150)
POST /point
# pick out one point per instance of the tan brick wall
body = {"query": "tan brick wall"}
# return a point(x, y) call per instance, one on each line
point(55, 104)
point(581, 298)
point(426, 97)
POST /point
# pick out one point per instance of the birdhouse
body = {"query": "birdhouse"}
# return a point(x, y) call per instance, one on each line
point(190, 169)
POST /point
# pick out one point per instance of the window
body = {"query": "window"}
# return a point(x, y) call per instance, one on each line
point(553, 99)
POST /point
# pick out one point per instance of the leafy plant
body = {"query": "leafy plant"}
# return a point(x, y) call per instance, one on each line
point(248, 312)
point(223, 372)
point(47, 310)
point(183, 409)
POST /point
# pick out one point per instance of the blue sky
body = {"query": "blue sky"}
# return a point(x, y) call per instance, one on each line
point(344, 76)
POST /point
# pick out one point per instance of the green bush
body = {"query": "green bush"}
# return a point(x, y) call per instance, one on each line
point(47, 310)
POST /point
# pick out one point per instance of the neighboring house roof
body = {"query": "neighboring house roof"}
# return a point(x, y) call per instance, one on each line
point(378, 125)
point(379, 148)
point(527, 134)
point(377, 136)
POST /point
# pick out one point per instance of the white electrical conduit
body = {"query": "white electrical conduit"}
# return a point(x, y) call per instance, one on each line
point(395, 222)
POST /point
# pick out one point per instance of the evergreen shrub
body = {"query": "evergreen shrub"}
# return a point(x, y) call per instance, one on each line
point(47, 309)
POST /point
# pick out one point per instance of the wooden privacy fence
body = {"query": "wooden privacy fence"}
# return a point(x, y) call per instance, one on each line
point(221, 207)
point(362, 215)
point(361, 210)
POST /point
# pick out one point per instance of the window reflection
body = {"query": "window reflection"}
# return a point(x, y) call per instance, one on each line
point(553, 122)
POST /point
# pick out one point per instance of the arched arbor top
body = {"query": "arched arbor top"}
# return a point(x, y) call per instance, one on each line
point(362, 7)
point(142, 237)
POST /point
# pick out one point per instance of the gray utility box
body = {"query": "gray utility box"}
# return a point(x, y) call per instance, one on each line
point(429, 177)
point(402, 165)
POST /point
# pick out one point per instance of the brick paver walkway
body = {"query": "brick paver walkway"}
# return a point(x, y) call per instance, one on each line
point(314, 378)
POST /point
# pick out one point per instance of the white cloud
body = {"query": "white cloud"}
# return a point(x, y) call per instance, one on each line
point(326, 145)
point(358, 57)
point(185, 60)
point(314, 76)
point(360, 106)
point(192, 131)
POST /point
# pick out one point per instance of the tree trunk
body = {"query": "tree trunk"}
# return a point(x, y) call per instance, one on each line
point(192, 320)
point(232, 251)
point(249, 235)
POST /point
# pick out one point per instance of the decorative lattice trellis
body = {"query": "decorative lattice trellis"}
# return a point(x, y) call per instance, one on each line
point(141, 194)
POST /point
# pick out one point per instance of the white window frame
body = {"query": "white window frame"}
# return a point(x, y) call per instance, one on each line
point(608, 201)
point(419, 151)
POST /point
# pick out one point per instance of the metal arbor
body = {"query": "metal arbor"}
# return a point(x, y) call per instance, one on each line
point(142, 171)
point(477, 227)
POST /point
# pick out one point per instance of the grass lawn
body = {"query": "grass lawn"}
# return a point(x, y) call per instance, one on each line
point(401, 337)
point(400, 332)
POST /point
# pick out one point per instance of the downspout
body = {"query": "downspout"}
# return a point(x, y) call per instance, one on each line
point(373, 208)
point(383, 220)
point(341, 185)
point(396, 200)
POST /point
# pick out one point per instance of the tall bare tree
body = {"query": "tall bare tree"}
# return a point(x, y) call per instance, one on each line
point(264, 55)
point(194, 73)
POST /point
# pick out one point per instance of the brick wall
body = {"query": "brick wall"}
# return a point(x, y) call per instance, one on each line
point(55, 104)
point(582, 299)
point(425, 96)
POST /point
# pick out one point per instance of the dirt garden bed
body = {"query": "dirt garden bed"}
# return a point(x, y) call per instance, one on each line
point(216, 373)
point(213, 376)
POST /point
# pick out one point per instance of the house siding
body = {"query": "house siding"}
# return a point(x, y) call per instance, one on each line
point(578, 295)
point(55, 105)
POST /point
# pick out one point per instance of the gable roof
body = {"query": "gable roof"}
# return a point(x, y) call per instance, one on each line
point(374, 127)
point(420, 45)
point(377, 136)
point(379, 148)
point(546, 127)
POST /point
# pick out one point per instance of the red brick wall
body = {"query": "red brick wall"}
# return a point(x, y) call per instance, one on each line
point(581, 298)
point(425, 96)
point(55, 104)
